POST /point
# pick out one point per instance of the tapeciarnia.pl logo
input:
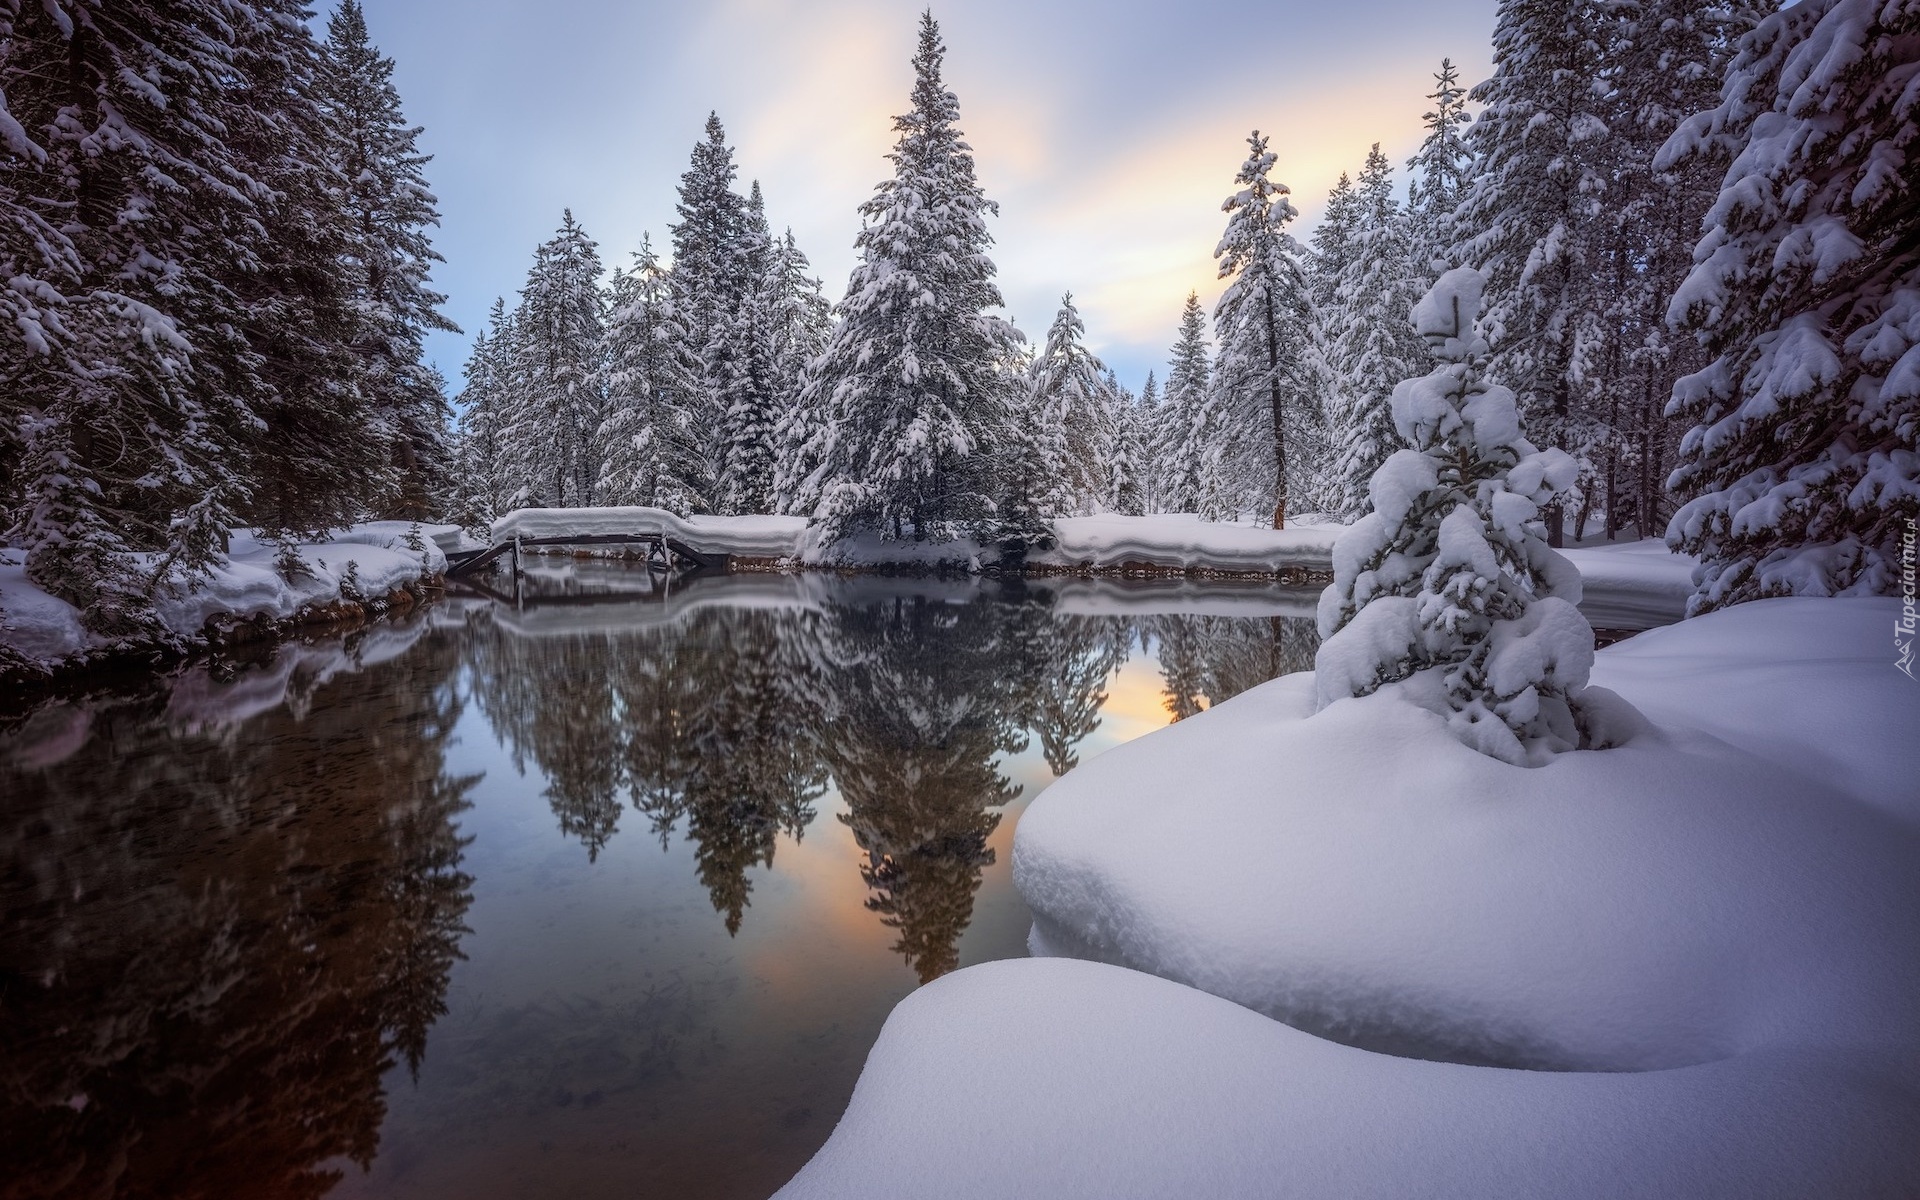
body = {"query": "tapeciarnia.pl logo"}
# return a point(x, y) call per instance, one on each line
point(1903, 629)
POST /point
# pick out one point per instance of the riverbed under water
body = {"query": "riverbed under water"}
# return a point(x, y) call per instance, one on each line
point(606, 892)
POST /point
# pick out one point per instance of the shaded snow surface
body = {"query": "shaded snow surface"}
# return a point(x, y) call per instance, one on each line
point(1632, 585)
point(1710, 936)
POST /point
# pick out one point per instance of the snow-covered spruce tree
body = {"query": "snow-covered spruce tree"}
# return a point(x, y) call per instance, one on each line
point(555, 375)
point(746, 370)
point(802, 324)
point(1332, 242)
point(1528, 218)
point(1373, 348)
point(317, 449)
point(1069, 397)
point(1191, 429)
point(710, 278)
point(1438, 172)
point(119, 199)
point(1448, 589)
point(387, 209)
point(650, 448)
point(1802, 467)
point(1125, 456)
point(1262, 322)
point(482, 493)
point(916, 377)
point(1147, 424)
point(1667, 58)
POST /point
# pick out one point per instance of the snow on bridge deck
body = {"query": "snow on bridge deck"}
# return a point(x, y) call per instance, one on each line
point(740, 537)
point(1174, 541)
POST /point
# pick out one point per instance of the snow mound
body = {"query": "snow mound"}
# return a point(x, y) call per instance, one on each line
point(1184, 541)
point(1713, 886)
point(1070, 1079)
point(1709, 935)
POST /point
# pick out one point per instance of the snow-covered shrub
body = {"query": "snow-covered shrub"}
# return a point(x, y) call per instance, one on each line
point(1448, 588)
point(1802, 466)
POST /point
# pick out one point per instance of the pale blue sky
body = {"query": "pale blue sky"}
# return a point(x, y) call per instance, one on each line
point(1109, 133)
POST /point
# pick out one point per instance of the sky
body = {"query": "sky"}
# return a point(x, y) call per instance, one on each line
point(1109, 133)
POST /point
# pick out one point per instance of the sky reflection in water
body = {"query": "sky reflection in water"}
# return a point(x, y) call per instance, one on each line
point(597, 897)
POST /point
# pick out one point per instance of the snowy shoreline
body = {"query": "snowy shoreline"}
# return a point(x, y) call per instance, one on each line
point(1631, 586)
point(358, 574)
point(1699, 947)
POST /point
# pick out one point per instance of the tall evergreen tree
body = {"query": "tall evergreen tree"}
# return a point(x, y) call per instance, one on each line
point(1667, 59)
point(1374, 347)
point(1528, 220)
point(710, 278)
point(125, 209)
point(650, 444)
point(1149, 420)
point(1124, 459)
point(1440, 169)
point(383, 200)
point(1069, 397)
point(802, 324)
point(479, 493)
point(747, 371)
point(555, 374)
point(1263, 323)
point(1802, 467)
point(1332, 241)
point(918, 374)
point(1191, 428)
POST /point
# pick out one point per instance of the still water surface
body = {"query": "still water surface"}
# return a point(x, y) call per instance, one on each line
point(604, 895)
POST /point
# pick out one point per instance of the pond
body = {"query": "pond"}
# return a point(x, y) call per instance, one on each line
point(604, 892)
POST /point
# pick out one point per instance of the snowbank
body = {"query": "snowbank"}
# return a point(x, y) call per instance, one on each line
point(1071, 1079)
point(1711, 932)
point(1183, 541)
point(365, 561)
point(1633, 585)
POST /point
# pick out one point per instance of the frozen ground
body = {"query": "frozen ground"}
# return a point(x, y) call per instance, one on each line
point(369, 560)
point(1706, 942)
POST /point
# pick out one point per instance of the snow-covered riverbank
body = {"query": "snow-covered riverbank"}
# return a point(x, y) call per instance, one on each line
point(367, 568)
point(1630, 586)
point(1705, 943)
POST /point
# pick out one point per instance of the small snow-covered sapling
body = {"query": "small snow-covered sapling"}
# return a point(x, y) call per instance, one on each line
point(1447, 589)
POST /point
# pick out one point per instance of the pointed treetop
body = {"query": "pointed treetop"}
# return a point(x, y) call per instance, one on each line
point(1257, 212)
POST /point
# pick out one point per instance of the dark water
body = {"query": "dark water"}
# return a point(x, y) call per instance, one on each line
point(606, 895)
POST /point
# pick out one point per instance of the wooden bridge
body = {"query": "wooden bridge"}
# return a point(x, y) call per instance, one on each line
point(663, 550)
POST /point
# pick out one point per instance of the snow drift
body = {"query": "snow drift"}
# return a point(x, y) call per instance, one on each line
point(1708, 937)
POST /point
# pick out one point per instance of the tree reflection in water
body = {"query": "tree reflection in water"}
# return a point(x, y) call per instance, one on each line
point(1216, 658)
point(224, 922)
point(906, 697)
point(233, 900)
